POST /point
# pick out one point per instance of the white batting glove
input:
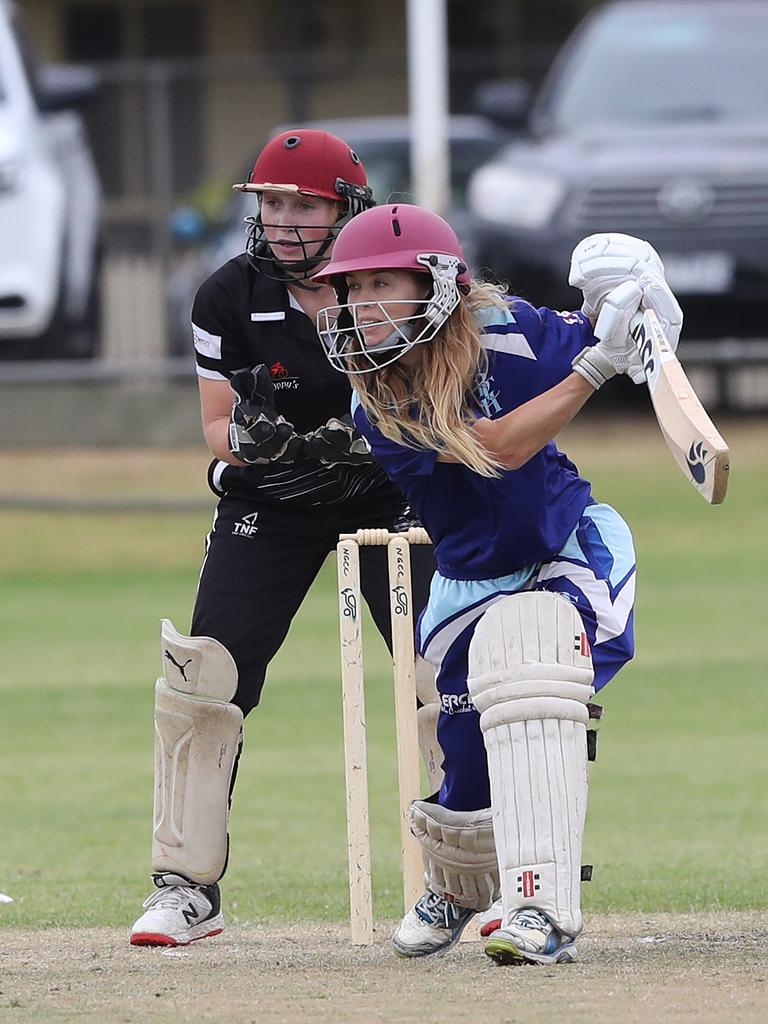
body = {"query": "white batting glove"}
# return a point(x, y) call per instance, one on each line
point(615, 351)
point(601, 262)
point(658, 296)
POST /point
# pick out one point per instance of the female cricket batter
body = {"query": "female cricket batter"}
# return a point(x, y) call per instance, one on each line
point(460, 391)
point(291, 473)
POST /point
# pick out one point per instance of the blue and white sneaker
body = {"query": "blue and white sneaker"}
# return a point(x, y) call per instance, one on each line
point(530, 938)
point(433, 925)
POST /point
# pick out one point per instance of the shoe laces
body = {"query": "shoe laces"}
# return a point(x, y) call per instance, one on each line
point(531, 918)
point(173, 896)
point(436, 911)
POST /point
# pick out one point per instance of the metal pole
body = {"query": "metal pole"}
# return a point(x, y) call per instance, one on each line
point(161, 158)
point(161, 185)
point(428, 101)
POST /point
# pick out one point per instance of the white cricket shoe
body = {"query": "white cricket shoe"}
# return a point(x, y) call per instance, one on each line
point(175, 915)
point(530, 937)
point(433, 925)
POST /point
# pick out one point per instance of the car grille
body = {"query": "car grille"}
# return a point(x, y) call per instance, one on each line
point(722, 205)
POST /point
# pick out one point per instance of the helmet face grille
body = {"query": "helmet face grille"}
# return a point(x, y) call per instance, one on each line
point(261, 258)
point(345, 340)
point(392, 237)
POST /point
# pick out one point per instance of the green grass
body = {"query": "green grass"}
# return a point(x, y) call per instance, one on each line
point(678, 812)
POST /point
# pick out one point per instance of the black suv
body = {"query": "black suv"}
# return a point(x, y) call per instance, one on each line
point(653, 121)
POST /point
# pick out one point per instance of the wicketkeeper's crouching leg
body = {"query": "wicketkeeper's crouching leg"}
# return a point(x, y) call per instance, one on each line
point(530, 677)
point(198, 735)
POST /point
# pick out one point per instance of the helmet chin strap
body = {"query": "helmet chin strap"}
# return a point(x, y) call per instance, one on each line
point(438, 306)
point(261, 258)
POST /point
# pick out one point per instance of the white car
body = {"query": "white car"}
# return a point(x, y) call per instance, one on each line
point(50, 203)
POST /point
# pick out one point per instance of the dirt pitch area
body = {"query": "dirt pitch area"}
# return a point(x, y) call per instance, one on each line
point(704, 968)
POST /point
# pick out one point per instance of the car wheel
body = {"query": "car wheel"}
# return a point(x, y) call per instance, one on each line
point(82, 338)
point(50, 344)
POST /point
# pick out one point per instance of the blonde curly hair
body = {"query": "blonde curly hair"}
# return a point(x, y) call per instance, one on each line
point(423, 403)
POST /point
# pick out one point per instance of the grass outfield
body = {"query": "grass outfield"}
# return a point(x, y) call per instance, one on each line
point(678, 805)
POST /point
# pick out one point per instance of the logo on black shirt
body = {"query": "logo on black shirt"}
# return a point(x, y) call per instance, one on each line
point(246, 527)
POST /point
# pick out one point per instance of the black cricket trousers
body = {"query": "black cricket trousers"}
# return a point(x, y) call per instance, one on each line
point(260, 562)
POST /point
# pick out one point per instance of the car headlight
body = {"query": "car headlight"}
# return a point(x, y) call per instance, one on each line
point(517, 198)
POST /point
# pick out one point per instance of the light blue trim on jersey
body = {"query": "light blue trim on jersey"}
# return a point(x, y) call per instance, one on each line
point(611, 596)
point(453, 604)
point(354, 402)
point(500, 332)
point(615, 535)
point(488, 316)
point(509, 344)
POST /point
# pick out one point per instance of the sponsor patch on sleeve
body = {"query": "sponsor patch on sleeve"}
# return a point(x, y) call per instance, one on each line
point(205, 343)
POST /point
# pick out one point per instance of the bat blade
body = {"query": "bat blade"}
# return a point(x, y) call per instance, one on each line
point(695, 443)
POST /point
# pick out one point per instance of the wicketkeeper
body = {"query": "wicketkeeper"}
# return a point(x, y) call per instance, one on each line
point(292, 473)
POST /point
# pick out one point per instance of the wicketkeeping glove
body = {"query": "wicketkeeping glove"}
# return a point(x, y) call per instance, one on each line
point(257, 432)
point(338, 442)
point(406, 520)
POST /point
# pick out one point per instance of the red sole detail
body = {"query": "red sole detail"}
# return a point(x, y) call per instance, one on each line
point(153, 939)
point(156, 939)
point(491, 926)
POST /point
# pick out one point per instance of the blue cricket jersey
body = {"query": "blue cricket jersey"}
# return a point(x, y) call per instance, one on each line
point(483, 527)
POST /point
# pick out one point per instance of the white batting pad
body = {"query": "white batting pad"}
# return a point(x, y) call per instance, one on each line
point(459, 853)
point(196, 743)
point(531, 678)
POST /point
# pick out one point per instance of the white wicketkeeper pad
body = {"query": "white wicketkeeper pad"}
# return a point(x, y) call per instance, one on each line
point(530, 677)
point(459, 853)
point(197, 733)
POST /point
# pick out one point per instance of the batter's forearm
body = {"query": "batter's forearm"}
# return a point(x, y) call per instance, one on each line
point(520, 434)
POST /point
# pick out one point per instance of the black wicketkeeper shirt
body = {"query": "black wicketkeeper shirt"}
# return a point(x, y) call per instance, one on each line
point(241, 318)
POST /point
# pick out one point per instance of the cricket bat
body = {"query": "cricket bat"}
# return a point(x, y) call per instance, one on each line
point(691, 436)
